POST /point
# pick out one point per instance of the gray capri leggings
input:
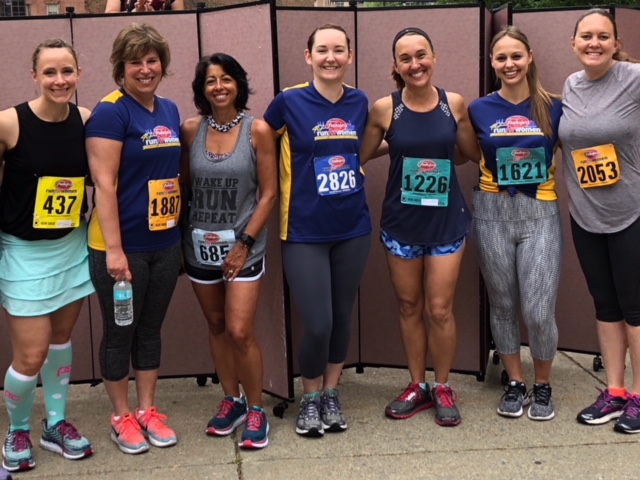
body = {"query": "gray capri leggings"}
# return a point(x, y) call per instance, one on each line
point(154, 279)
point(519, 242)
point(323, 279)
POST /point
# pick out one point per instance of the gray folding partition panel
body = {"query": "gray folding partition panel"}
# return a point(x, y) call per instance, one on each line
point(455, 33)
point(628, 20)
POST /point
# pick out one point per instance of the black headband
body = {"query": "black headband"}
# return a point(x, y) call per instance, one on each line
point(406, 31)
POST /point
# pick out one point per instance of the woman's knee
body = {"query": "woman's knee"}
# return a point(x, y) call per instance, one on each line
point(216, 323)
point(440, 314)
point(242, 338)
point(411, 307)
point(29, 361)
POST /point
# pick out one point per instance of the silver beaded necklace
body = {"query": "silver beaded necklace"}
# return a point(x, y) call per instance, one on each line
point(227, 126)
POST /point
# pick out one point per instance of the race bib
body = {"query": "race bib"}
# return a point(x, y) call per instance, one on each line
point(521, 165)
point(337, 174)
point(425, 182)
point(164, 203)
point(596, 166)
point(58, 202)
point(211, 248)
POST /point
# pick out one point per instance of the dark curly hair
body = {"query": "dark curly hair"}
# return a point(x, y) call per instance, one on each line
point(231, 67)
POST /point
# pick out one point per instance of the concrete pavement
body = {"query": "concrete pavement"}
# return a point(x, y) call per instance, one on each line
point(484, 446)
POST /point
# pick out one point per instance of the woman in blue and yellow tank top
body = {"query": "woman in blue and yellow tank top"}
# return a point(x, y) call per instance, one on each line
point(516, 220)
point(425, 220)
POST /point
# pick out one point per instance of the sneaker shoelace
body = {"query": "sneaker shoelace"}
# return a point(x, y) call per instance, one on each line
point(332, 404)
point(632, 408)
point(254, 420)
point(224, 407)
point(154, 419)
point(446, 396)
point(128, 426)
point(69, 431)
point(542, 395)
point(412, 390)
point(603, 399)
point(19, 441)
point(311, 410)
point(512, 393)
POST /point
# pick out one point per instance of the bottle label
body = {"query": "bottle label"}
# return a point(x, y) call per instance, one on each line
point(122, 295)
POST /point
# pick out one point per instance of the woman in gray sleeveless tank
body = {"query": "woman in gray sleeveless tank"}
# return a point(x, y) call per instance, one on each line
point(229, 170)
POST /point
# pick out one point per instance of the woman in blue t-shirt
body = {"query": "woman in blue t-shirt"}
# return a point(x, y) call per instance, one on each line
point(134, 155)
point(425, 220)
point(324, 219)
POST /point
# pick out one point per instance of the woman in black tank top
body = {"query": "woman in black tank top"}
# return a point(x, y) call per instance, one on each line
point(44, 270)
point(423, 227)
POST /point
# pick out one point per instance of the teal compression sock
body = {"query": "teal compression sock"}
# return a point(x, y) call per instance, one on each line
point(55, 374)
point(19, 392)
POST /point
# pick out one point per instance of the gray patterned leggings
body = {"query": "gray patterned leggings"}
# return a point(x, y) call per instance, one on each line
point(519, 241)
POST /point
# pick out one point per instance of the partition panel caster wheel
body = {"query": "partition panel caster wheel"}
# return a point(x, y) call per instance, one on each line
point(280, 408)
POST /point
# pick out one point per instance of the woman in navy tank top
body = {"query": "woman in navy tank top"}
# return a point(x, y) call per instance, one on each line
point(424, 216)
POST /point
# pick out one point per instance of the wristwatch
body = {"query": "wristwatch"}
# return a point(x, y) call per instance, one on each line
point(247, 239)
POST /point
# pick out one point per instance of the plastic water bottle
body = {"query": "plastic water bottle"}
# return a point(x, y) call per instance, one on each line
point(123, 303)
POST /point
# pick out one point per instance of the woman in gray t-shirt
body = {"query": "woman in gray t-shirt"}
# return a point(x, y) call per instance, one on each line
point(601, 154)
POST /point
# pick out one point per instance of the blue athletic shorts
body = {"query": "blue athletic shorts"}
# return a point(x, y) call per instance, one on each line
point(408, 252)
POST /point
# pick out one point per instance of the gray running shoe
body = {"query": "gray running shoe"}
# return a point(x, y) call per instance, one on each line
point(542, 406)
point(309, 423)
point(515, 397)
point(447, 414)
point(412, 400)
point(331, 412)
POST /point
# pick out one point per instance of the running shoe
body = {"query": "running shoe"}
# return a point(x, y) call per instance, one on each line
point(412, 400)
point(126, 432)
point(515, 397)
point(333, 419)
point(605, 408)
point(230, 416)
point(154, 429)
point(64, 439)
point(542, 406)
point(629, 421)
point(309, 423)
point(256, 429)
point(17, 451)
point(447, 414)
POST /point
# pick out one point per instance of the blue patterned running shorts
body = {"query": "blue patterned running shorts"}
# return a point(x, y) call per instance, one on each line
point(418, 251)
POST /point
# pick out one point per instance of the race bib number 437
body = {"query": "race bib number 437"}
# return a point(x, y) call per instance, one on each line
point(58, 202)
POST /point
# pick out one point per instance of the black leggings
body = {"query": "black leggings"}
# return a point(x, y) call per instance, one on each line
point(323, 279)
point(611, 265)
point(154, 279)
